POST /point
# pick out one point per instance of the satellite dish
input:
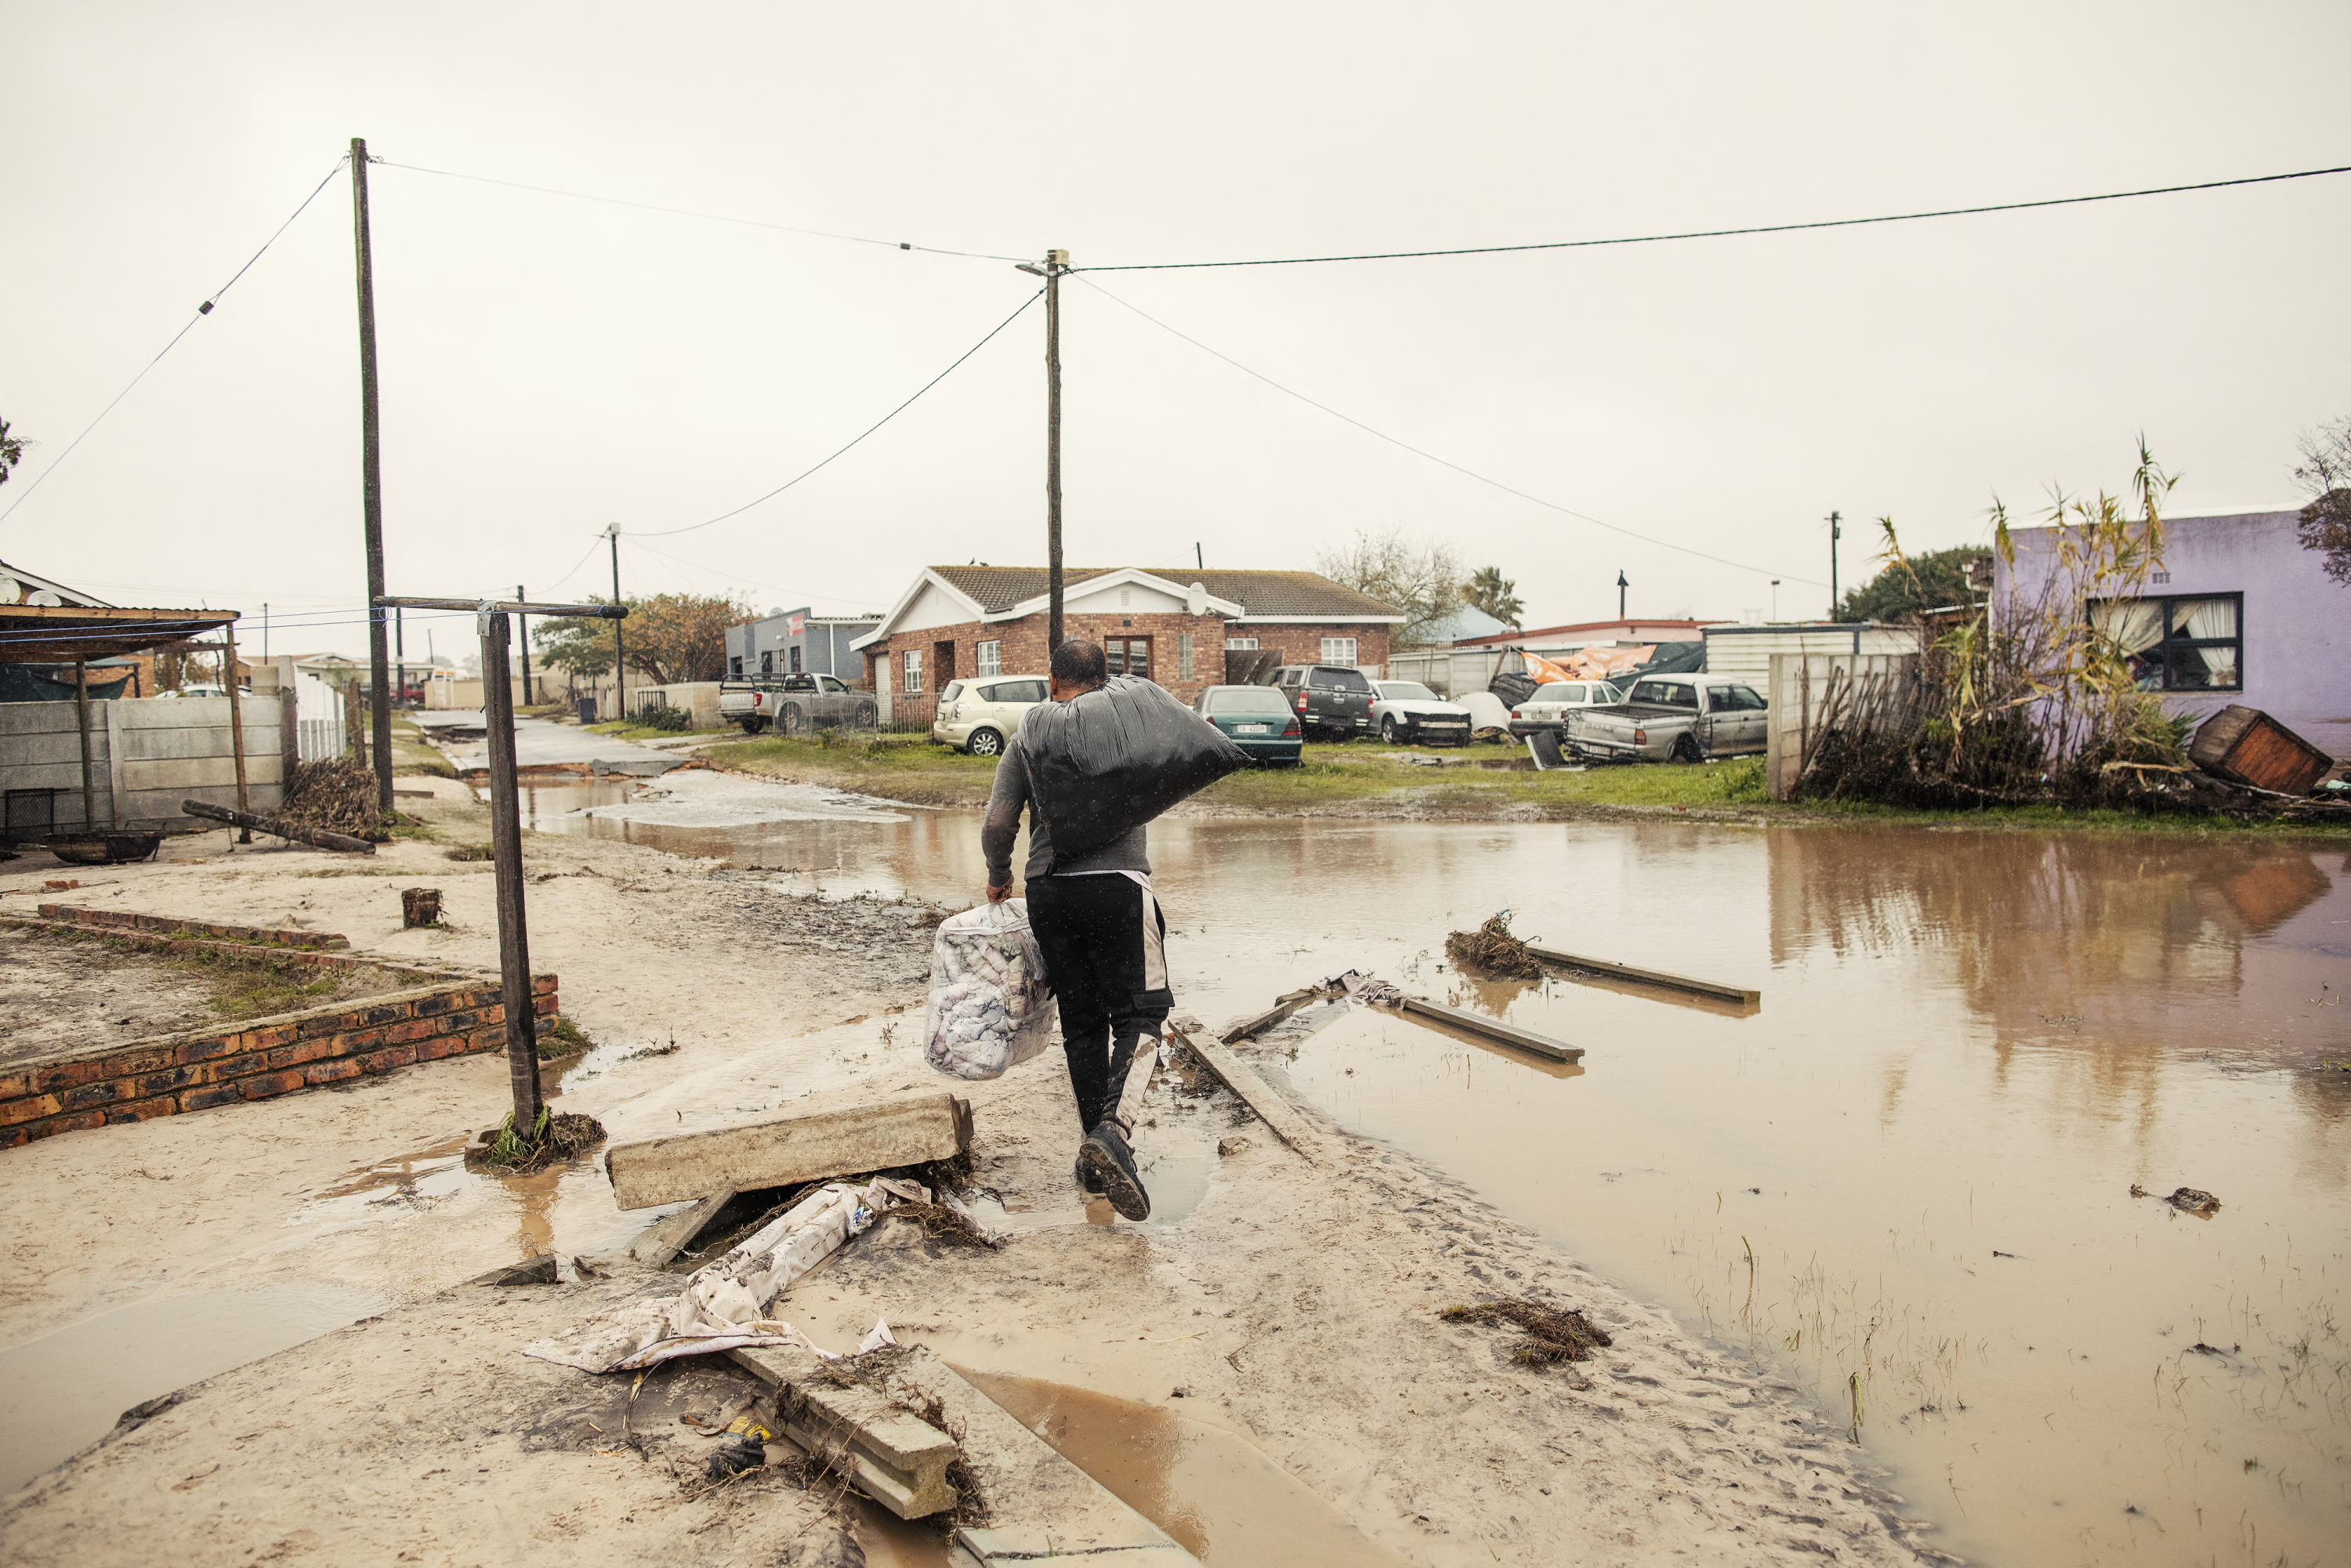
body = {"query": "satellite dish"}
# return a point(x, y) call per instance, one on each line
point(46, 599)
point(11, 591)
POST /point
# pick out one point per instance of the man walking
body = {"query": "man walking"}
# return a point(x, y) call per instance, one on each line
point(1102, 938)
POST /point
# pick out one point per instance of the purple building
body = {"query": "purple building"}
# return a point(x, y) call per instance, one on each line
point(2238, 613)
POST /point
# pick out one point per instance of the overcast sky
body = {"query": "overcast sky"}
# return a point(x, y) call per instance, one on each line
point(552, 365)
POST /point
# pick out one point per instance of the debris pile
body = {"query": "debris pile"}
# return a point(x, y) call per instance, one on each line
point(561, 1136)
point(337, 794)
point(1492, 951)
point(1553, 1334)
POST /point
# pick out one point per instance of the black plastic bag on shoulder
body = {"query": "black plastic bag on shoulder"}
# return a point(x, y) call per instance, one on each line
point(1103, 763)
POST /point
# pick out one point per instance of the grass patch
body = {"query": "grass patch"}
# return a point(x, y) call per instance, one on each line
point(246, 988)
point(471, 852)
point(904, 767)
point(566, 1039)
point(630, 729)
point(411, 754)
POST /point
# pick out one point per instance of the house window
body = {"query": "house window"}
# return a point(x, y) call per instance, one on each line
point(1339, 651)
point(1129, 656)
point(913, 671)
point(2178, 645)
point(991, 658)
point(1240, 644)
point(735, 663)
point(768, 663)
point(795, 661)
point(1184, 655)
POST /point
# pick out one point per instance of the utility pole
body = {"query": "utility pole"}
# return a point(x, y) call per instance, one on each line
point(372, 486)
point(522, 639)
point(620, 664)
point(1621, 586)
point(399, 657)
point(264, 632)
point(1057, 262)
point(1775, 599)
point(1836, 532)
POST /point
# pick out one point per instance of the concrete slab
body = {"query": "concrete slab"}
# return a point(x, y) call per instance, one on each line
point(897, 1458)
point(822, 1136)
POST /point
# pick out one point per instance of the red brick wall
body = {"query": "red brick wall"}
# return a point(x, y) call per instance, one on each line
point(1024, 651)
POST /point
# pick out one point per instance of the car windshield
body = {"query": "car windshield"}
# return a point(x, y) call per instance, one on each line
point(1331, 679)
point(1245, 699)
point(1407, 692)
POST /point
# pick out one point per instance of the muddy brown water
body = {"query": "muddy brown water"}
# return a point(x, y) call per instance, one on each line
point(1905, 1180)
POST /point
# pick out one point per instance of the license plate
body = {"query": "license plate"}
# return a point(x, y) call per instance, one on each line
point(1252, 729)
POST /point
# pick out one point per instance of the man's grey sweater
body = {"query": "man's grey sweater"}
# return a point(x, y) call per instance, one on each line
point(1128, 852)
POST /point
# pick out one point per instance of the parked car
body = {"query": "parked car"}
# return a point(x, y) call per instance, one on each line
point(1548, 706)
point(1333, 700)
point(1257, 719)
point(1685, 718)
point(975, 715)
point(1407, 712)
point(794, 705)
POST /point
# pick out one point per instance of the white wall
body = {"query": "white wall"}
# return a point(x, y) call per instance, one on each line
point(1745, 655)
point(934, 607)
point(1139, 601)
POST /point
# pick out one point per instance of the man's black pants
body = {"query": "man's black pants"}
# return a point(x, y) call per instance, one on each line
point(1104, 944)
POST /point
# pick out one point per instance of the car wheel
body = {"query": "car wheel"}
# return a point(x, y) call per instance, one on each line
point(1686, 750)
point(790, 720)
point(1388, 730)
point(866, 716)
point(985, 743)
point(753, 725)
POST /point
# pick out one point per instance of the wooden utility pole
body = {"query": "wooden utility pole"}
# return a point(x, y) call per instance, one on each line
point(522, 640)
point(619, 659)
point(1622, 586)
point(1836, 532)
point(88, 773)
point(371, 484)
point(400, 655)
point(1057, 262)
point(235, 721)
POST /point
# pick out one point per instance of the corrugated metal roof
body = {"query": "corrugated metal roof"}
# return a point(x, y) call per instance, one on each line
point(1000, 588)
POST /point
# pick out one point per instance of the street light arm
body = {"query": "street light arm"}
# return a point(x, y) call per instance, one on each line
point(511, 607)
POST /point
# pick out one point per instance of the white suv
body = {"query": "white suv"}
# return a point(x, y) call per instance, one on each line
point(977, 716)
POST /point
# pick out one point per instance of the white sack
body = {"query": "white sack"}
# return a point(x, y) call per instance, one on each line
point(990, 993)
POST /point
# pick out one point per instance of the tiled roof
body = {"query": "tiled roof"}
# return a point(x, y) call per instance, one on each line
point(1000, 588)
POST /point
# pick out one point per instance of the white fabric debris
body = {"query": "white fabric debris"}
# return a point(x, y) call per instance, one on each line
point(988, 993)
point(1365, 990)
point(724, 1303)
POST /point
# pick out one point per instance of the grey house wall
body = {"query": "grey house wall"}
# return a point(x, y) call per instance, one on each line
point(824, 645)
point(147, 755)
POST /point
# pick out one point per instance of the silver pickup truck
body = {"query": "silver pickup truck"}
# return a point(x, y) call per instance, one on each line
point(794, 705)
point(1677, 718)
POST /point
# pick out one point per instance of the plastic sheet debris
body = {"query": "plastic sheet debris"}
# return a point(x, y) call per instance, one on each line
point(988, 993)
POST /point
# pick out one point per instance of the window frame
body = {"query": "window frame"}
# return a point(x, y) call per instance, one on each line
point(2167, 643)
point(1184, 655)
point(913, 667)
point(1353, 644)
point(989, 658)
point(1240, 644)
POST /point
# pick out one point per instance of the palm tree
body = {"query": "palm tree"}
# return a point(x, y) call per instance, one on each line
point(1492, 593)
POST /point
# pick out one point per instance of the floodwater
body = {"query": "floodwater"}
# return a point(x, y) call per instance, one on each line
point(1906, 1179)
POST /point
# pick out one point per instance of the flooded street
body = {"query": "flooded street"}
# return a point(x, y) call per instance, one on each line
point(1906, 1179)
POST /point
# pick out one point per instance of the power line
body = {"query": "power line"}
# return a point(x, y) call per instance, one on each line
point(631, 541)
point(664, 533)
point(1722, 234)
point(689, 213)
point(202, 310)
point(1433, 457)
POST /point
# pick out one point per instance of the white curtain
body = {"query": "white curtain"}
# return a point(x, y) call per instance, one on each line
point(2135, 625)
point(2210, 618)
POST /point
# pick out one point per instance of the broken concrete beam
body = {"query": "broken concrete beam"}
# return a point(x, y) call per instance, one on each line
point(895, 1457)
point(1283, 1006)
point(1494, 1028)
point(665, 1239)
point(1039, 1504)
point(1645, 976)
point(1242, 1080)
point(819, 1138)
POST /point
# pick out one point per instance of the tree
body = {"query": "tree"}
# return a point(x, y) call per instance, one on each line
point(2325, 473)
point(12, 451)
point(670, 638)
point(1926, 581)
point(1423, 581)
point(1495, 594)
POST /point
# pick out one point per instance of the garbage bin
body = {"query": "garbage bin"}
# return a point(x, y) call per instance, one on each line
point(587, 710)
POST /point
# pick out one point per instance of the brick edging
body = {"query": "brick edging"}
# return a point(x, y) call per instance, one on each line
point(259, 936)
point(196, 1070)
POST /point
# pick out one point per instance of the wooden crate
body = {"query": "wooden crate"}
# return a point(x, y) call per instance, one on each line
point(2250, 746)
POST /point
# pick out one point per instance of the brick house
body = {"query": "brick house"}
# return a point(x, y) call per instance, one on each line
point(957, 623)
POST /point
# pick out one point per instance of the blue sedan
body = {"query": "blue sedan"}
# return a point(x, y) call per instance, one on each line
point(1256, 720)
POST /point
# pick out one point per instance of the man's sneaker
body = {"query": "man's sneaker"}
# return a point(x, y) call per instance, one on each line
point(1106, 1156)
point(1088, 1183)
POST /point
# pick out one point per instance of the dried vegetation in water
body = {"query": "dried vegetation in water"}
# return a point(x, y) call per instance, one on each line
point(1492, 951)
point(1553, 1334)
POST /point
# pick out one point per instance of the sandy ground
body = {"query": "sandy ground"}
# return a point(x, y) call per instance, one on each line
point(1295, 1305)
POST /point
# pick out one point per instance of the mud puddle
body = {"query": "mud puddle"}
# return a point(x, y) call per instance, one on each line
point(64, 1391)
point(1903, 1180)
point(1215, 1493)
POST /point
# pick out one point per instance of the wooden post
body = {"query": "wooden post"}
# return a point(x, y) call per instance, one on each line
point(371, 484)
point(89, 786)
point(522, 645)
point(235, 723)
point(505, 851)
point(620, 660)
point(1056, 263)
